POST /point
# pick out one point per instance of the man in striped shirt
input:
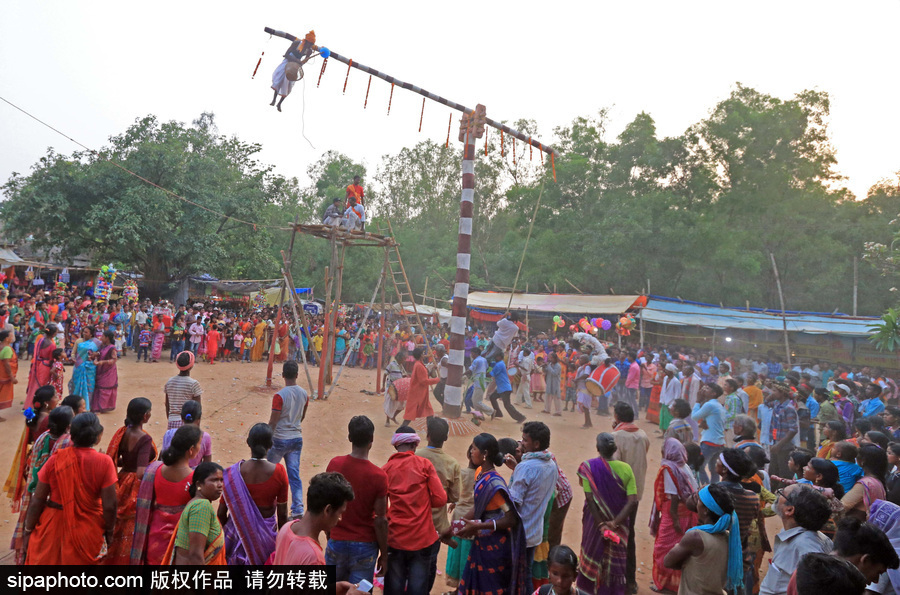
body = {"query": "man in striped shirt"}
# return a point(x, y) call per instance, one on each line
point(181, 388)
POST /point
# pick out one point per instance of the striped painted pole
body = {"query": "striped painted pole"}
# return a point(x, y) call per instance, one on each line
point(453, 395)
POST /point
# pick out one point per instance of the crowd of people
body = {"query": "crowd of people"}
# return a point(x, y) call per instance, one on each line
point(740, 440)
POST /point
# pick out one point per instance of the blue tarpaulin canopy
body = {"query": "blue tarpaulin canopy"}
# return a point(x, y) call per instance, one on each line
point(676, 312)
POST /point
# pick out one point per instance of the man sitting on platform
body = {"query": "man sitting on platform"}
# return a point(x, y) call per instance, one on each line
point(355, 216)
point(332, 213)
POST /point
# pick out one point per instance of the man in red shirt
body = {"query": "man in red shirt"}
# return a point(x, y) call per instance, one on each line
point(355, 190)
point(362, 535)
point(414, 488)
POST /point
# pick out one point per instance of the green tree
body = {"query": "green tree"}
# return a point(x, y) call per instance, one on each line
point(85, 204)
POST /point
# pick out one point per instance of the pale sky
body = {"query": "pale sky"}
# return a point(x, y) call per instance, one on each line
point(91, 68)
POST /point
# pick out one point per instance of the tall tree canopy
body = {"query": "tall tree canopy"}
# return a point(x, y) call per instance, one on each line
point(85, 204)
point(697, 215)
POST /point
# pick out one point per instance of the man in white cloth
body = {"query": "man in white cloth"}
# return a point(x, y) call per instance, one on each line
point(525, 364)
point(507, 329)
point(291, 68)
point(355, 216)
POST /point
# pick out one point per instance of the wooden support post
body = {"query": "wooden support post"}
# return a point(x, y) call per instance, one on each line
point(336, 309)
point(379, 364)
point(280, 314)
point(320, 388)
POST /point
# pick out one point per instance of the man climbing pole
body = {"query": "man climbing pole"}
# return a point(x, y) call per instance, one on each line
point(291, 68)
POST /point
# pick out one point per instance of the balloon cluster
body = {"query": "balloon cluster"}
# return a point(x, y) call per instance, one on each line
point(625, 324)
point(558, 322)
point(259, 300)
point(130, 293)
point(105, 282)
point(61, 288)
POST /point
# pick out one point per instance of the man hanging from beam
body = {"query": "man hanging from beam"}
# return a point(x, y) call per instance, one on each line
point(291, 68)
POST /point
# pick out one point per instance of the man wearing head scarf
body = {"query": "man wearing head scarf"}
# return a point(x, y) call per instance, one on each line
point(181, 388)
point(414, 488)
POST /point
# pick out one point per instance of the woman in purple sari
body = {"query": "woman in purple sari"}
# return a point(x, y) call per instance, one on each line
point(610, 498)
point(106, 386)
point(255, 497)
point(497, 561)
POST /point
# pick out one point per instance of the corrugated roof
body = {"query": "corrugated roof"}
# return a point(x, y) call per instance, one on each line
point(678, 313)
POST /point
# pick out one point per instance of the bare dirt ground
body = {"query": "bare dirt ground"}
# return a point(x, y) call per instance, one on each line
point(232, 403)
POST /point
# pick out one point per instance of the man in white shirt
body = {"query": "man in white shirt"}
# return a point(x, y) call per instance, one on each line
point(525, 364)
point(671, 390)
point(803, 512)
point(354, 216)
point(506, 331)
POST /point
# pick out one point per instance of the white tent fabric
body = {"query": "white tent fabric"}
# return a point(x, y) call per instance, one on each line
point(556, 303)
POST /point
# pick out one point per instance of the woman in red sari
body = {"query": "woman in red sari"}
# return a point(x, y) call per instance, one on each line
point(670, 517)
point(132, 449)
point(213, 337)
point(106, 386)
point(417, 403)
point(41, 365)
point(162, 496)
point(72, 515)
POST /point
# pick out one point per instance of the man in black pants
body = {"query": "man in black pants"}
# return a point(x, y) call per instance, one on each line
point(500, 389)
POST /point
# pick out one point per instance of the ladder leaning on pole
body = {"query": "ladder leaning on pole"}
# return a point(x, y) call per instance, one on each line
point(399, 280)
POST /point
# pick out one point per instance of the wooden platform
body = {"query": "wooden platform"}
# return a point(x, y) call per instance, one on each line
point(346, 238)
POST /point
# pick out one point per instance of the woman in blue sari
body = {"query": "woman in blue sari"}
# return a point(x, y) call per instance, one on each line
point(84, 376)
point(497, 559)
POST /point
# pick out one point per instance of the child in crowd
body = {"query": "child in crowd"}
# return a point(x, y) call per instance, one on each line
point(248, 345)
point(143, 342)
point(563, 571)
point(369, 353)
point(538, 384)
point(120, 341)
point(191, 412)
point(695, 459)
point(797, 462)
point(679, 427)
point(238, 341)
point(57, 371)
point(843, 455)
point(227, 343)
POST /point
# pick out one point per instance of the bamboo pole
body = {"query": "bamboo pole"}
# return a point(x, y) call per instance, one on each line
point(336, 309)
point(379, 364)
point(787, 345)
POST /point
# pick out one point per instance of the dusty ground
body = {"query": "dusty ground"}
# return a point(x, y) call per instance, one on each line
point(232, 403)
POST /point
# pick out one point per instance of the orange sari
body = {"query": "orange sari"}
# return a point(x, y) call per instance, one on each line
point(6, 381)
point(74, 534)
point(126, 501)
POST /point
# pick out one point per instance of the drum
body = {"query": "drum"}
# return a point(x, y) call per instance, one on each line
point(602, 380)
point(399, 389)
point(514, 375)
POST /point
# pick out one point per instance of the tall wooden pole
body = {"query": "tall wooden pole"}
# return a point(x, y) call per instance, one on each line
point(855, 283)
point(453, 395)
point(787, 344)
